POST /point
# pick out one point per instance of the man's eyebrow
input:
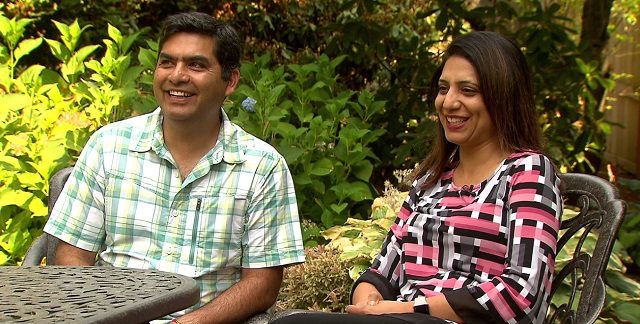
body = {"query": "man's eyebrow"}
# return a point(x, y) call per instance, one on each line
point(197, 58)
point(165, 55)
point(192, 58)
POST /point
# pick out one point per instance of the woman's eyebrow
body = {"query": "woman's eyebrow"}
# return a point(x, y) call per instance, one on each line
point(462, 82)
point(465, 82)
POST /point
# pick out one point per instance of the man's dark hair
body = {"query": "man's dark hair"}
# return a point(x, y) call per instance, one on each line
point(227, 46)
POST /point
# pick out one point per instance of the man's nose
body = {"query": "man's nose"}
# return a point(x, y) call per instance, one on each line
point(179, 75)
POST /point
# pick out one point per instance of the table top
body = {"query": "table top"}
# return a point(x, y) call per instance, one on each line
point(57, 294)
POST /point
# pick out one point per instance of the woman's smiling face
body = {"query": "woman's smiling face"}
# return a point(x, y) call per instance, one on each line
point(460, 105)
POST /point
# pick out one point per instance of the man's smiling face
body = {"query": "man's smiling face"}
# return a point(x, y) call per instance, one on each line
point(188, 80)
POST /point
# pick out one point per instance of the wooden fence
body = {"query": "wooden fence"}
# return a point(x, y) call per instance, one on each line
point(622, 144)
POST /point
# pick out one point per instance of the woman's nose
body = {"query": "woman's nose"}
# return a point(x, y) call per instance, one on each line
point(450, 100)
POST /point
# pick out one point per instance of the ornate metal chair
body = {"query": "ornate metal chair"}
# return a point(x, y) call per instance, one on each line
point(600, 211)
point(45, 245)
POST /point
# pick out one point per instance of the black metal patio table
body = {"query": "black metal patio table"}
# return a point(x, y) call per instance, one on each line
point(57, 294)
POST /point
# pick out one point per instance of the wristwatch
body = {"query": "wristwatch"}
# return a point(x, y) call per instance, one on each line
point(420, 305)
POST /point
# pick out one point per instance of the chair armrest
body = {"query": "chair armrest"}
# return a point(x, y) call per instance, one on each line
point(36, 252)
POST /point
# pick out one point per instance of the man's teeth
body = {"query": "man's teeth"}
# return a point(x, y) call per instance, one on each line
point(452, 120)
point(179, 94)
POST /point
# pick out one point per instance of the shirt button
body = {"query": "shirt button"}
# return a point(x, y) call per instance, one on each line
point(174, 213)
point(169, 251)
point(176, 174)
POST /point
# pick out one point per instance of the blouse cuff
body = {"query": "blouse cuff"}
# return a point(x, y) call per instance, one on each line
point(381, 283)
point(467, 307)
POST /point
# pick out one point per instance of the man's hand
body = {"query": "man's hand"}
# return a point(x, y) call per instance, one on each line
point(256, 291)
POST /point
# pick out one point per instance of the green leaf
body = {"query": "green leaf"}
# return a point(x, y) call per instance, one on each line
point(31, 181)
point(607, 83)
point(326, 218)
point(628, 311)
point(3, 256)
point(9, 163)
point(25, 47)
point(622, 283)
point(14, 102)
point(632, 184)
point(38, 208)
point(363, 170)
point(290, 153)
point(5, 26)
point(584, 68)
point(605, 127)
point(360, 191)
point(114, 34)
point(84, 52)
point(17, 140)
point(302, 179)
point(442, 20)
point(357, 270)
point(322, 167)
point(147, 58)
point(65, 34)
point(13, 30)
point(18, 198)
point(31, 74)
point(338, 208)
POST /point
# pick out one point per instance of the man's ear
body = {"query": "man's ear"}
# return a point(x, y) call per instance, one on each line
point(232, 83)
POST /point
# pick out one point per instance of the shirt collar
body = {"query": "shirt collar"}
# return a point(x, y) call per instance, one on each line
point(229, 147)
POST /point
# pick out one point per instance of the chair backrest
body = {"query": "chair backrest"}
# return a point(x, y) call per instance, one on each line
point(45, 245)
point(600, 211)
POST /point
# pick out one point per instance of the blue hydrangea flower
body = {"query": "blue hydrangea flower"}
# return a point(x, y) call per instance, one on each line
point(248, 104)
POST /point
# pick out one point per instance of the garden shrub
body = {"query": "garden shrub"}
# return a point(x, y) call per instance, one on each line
point(361, 240)
point(48, 115)
point(323, 130)
point(322, 283)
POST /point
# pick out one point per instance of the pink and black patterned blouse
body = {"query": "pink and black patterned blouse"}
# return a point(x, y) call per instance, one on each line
point(489, 249)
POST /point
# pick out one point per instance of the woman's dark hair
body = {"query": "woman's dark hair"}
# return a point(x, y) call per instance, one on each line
point(507, 91)
point(227, 45)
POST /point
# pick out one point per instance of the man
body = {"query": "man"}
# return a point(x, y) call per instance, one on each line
point(183, 189)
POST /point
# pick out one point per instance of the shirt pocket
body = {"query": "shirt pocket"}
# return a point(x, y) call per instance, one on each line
point(132, 205)
point(217, 232)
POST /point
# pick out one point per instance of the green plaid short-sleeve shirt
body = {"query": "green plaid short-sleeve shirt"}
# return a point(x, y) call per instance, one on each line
point(126, 200)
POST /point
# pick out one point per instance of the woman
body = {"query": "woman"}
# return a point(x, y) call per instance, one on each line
point(475, 240)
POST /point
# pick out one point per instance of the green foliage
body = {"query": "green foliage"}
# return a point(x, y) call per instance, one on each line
point(361, 240)
point(323, 131)
point(393, 47)
point(568, 91)
point(319, 284)
point(47, 117)
point(629, 231)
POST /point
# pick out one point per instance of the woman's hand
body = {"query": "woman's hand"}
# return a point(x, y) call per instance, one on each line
point(373, 298)
point(379, 307)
